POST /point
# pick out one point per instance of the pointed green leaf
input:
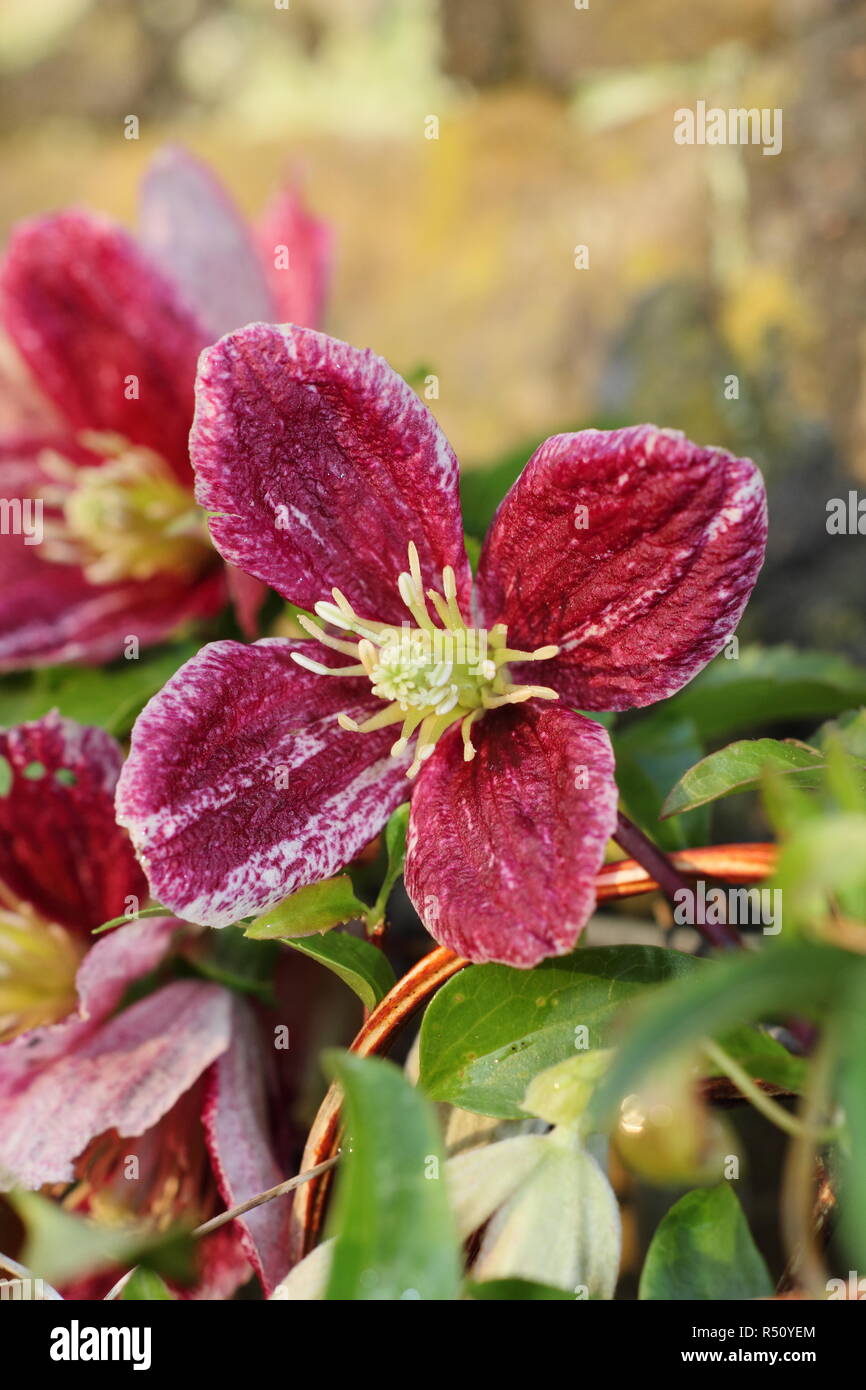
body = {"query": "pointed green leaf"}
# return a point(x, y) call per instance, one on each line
point(395, 1236)
point(491, 1030)
point(739, 768)
point(359, 964)
point(703, 1249)
point(316, 908)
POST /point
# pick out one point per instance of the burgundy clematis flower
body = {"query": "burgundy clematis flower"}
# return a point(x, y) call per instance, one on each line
point(615, 568)
point(150, 1111)
point(101, 537)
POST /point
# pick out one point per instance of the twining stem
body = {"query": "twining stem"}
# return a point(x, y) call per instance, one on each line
point(734, 863)
point(633, 840)
point(281, 1189)
point(769, 1108)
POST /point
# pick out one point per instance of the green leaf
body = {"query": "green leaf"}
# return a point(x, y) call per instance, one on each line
point(517, 1290)
point(703, 1249)
point(145, 1287)
point(395, 1236)
point(316, 908)
point(357, 962)
point(61, 1246)
point(765, 685)
point(739, 989)
point(491, 1029)
point(110, 696)
point(648, 760)
point(395, 847)
point(739, 768)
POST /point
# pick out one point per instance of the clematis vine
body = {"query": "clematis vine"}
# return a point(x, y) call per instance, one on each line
point(147, 1112)
point(615, 568)
point(102, 538)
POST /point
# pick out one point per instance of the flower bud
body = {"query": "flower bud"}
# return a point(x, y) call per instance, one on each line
point(668, 1134)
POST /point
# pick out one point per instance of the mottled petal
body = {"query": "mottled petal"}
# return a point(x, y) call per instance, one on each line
point(320, 465)
point(192, 230)
point(61, 850)
point(236, 1130)
point(88, 312)
point(503, 850)
point(241, 786)
point(126, 1075)
point(634, 550)
point(296, 250)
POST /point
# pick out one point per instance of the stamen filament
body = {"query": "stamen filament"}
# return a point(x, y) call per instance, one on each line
point(389, 715)
point(320, 669)
point(320, 635)
point(410, 724)
point(519, 694)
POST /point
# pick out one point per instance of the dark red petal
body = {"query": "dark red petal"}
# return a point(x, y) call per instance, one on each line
point(87, 311)
point(503, 850)
point(644, 594)
point(192, 230)
point(52, 614)
point(320, 465)
point(237, 1133)
point(247, 596)
point(60, 848)
point(241, 786)
point(49, 612)
point(298, 288)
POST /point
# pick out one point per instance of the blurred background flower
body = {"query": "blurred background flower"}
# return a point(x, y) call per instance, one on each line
point(457, 253)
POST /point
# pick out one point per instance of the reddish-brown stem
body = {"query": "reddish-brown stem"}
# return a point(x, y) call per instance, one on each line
point(625, 879)
point(632, 839)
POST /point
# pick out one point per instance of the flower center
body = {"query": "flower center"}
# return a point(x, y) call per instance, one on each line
point(38, 964)
point(128, 518)
point(432, 671)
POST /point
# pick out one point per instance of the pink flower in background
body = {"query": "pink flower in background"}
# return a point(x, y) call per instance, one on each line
point(109, 328)
point(615, 568)
point(87, 1082)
